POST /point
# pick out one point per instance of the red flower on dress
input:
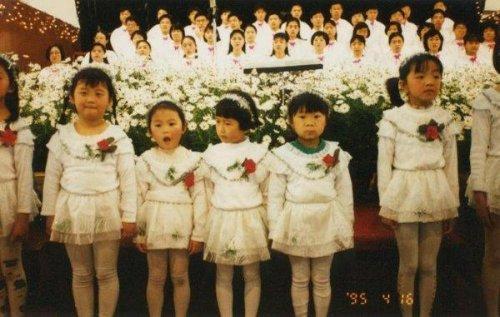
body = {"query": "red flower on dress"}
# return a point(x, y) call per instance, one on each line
point(106, 146)
point(8, 137)
point(331, 161)
point(431, 131)
point(249, 166)
point(189, 180)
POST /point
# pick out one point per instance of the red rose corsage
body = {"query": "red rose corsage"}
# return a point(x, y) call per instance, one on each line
point(189, 180)
point(431, 131)
point(8, 137)
point(106, 146)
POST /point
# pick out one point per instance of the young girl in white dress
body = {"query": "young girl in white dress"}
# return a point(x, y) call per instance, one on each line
point(16, 191)
point(90, 191)
point(172, 207)
point(418, 176)
point(236, 233)
point(310, 203)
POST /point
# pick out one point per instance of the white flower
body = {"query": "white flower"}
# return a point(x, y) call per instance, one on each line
point(266, 139)
point(204, 126)
point(281, 140)
point(191, 126)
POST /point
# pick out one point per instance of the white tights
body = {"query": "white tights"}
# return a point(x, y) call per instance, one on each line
point(12, 278)
point(99, 259)
point(303, 270)
point(418, 246)
point(158, 262)
point(224, 289)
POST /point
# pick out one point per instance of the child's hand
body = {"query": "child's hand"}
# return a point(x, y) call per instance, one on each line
point(48, 225)
point(141, 247)
point(390, 223)
point(482, 208)
point(128, 230)
point(448, 225)
point(20, 228)
point(195, 247)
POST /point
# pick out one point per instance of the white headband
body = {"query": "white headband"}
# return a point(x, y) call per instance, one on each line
point(242, 103)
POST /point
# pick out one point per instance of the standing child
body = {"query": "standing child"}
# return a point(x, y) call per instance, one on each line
point(90, 191)
point(236, 233)
point(485, 183)
point(310, 225)
point(172, 207)
point(418, 176)
point(16, 188)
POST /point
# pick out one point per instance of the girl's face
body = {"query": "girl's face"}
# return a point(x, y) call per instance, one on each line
point(292, 29)
point(357, 47)
point(209, 36)
point(90, 102)
point(434, 43)
point(308, 126)
point(177, 36)
point(97, 54)
point(167, 128)
point(55, 55)
point(363, 32)
point(137, 38)
point(165, 25)
point(250, 35)
point(423, 87)
point(234, 22)
point(472, 47)
point(4, 83)
point(460, 31)
point(438, 20)
point(101, 38)
point(143, 49)
point(188, 46)
point(331, 30)
point(279, 45)
point(237, 41)
point(229, 130)
point(396, 44)
point(192, 15)
point(319, 44)
point(489, 35)
point(392, 29)
point(355, 19)
point(424, 30)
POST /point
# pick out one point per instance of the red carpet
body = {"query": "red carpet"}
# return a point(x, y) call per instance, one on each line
point(369, 232)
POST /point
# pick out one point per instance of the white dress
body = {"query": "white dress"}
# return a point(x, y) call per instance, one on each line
point(172, 201)
point(16, 176)
point(89, 196)
point(300, 49)
point(310, 204)
point(236, 232)
point(485, 149)
point(417, 179)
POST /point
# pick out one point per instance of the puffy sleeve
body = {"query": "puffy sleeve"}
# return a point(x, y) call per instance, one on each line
point(200, 206)
point(53, 173)
point(125, 166)
point(23, 159)
point(481, 134)
point(386, 146)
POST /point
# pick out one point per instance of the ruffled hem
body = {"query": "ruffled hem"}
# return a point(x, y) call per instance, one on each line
point(237, 257)
point(418, 216)
point(84, 238)
point(425, 191)
point(315, 251)
point(167, 241)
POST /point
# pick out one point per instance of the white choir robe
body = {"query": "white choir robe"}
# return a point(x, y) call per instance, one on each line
point(231, 63)
point(377, 29)
point(392, 61)
point(299, 49)
point(447, 58)
point(464, 60)
point(327, 58)
point(154, 32)
point(344, 31)
point(305, 30)
point(224, 32)
point(486, 52)
point(447, 24)
point(255, 51)
point(109, 55)
point(410, 33)
point(264, 35)
point(121, 43)
point(349, 61)
point(160, 47)
point(190, 30)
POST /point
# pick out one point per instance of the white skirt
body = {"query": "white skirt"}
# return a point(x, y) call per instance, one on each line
point(419, 196)
point(313, 230)
point(84, 219)
point(236, 237)
point(163, 225)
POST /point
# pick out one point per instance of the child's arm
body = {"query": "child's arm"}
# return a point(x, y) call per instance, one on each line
point(384, 163)
point(343, 186)
point(143, 186)
point(451, 162)
point(276, 199)
point(23, 158)
point(128, 193)
point(51, 188)
point(200, 208)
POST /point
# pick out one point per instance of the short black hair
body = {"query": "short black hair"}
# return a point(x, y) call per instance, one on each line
point(177, 27)
point(132, 18)
point(459, 22)
point(397, 34)
point(356, 37)
point(437, 11)
point(320, 34)
point(309, 102)
point(165, 16)
point(142, 41)
point(201, 14)
point(165, 105)
point(423, 26)
point(231, 109)
point(432, 32)
point(92, 77)
point(59, 47)
point(472, 37)
point(359, 26)
point(141, 33)
point(397, 24)
point(12, 96)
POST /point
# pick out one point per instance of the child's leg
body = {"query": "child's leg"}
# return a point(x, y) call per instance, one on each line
point(13, 272)
point(407, 240)
point(491, 268)
point(322, 291)
point(301, 275)
point(179, 266)
point(251, 274)
point(157, 268)
point(82, 265)
point(224, 289)
point(429, 243)
point(105, 262)
point(3, 295)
